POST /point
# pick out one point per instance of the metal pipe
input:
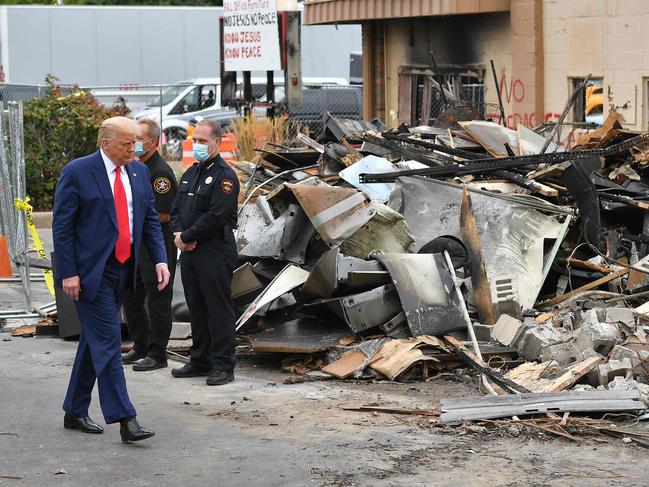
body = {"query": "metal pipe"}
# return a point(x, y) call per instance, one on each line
point(288, 171)
point(500, 99)
point(469, 324)
point(569, 104)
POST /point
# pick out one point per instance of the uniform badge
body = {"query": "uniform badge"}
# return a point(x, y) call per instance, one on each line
point(227, 185)
point(208, 179)
point(161, 185)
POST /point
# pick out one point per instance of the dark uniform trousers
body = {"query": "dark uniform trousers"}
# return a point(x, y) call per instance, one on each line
point(99, 353)
point(150, 328)
point(207, 278)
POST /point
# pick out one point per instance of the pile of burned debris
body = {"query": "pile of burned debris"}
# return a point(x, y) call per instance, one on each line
point(408, 251)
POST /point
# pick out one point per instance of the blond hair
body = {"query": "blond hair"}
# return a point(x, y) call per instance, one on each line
point(113, 126)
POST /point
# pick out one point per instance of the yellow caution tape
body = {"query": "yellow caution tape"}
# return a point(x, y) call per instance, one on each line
point(23, 205)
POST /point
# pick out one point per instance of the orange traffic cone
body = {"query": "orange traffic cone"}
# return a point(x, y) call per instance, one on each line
point(188, 153)
point(5, 261)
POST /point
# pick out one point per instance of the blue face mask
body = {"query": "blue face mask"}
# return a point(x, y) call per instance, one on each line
point(201, 151)
point(139, 148)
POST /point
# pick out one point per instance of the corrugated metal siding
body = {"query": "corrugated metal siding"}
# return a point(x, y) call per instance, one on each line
point(330, 11)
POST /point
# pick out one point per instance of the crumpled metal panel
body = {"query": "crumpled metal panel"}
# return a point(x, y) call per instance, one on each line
point(336, 213)
point(288, 279)
point(492, 136)
point(529, 142)
point(379, 192)
point(281, 197)
point(251, 225)
point(285, 239)
point(512, 234)
point(364, 310)
point(427, 292)
point(387, 231)
point(335, 274)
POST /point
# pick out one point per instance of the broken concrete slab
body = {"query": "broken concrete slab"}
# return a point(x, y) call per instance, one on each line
point(601, 337)
point(621, 384)
point(605, 373)
point(507, 330)
point(563, 353)
point(620, 315)
point(620, 352)
point(535, 339)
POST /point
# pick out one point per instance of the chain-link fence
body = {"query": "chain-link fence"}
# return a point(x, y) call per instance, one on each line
point(12, 186)
point(175, 106)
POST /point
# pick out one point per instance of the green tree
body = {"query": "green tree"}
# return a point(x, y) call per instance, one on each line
point(58, 128)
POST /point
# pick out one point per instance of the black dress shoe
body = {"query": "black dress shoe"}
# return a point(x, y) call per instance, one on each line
point(84, 424)
point(131, 430)
point(148, 363)
point(189, 370)
point(131, 357)
point(218, 378)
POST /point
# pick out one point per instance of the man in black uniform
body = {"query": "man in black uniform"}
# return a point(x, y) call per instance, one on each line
point(203, 218)
point(150, 326)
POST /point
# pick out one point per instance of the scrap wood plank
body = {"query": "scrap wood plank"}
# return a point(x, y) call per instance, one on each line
point(528, 375)
point(395, 410)
point(548, 172)
point(574, 374)
point(24, 331)
point(479, 279)
point(584, 264)
point(547, 429)
point(473, 360)
point(586, 287)
point(348, 363)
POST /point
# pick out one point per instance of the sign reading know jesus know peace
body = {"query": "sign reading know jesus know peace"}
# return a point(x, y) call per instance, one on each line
point(250, 35)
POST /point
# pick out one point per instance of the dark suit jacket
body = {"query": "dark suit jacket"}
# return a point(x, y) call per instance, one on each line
point(84, 226)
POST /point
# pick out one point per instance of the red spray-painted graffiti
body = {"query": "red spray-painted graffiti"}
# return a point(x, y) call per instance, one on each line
point(512, 91)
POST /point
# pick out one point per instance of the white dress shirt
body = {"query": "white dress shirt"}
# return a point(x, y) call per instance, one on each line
point(110, 170)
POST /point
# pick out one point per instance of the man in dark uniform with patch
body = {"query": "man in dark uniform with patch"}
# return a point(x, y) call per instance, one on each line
point(150, 326)
point(203, 219)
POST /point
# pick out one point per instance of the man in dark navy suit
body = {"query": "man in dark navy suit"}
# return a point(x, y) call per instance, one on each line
point(104, 211)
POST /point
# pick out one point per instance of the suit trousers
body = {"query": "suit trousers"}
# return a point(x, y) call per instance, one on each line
point(147, 310)
point(99, 352)
point(207, 279)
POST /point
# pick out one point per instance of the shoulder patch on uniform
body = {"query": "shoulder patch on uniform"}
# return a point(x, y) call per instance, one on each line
point(227, 185)
point(161, 185)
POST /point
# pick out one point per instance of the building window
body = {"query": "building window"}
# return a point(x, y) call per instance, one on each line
point(420, 92)
point(589, 106)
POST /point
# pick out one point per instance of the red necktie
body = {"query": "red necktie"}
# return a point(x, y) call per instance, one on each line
point(123, 244)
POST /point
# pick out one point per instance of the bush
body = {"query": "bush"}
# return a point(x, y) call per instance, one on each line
point(57, 129)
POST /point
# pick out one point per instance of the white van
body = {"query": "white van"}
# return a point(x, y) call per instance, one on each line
point(200, 98)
